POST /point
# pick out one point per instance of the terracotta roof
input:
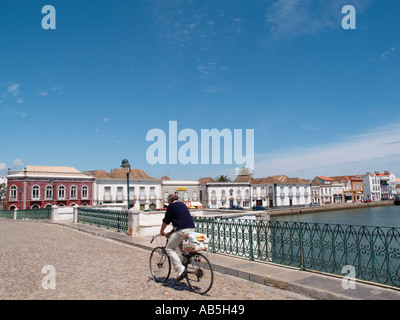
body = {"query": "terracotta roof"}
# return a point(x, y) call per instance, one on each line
point(120, 174)
point(165, 178)
point(244, 178)
point(203, 181)
point(325, 178)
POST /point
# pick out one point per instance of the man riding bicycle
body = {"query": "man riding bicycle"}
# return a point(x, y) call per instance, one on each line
point(182, 222)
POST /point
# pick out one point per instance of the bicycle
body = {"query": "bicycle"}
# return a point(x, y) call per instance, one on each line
point(199, 272)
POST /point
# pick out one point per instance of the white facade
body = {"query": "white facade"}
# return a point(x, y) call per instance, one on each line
point(143, 194)
point(188, 191)
point(288, 195)
point(372, 187)
point(228, 194)
point(247, 195)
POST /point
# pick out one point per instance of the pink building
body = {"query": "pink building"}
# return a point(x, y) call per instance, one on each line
point(37, 187)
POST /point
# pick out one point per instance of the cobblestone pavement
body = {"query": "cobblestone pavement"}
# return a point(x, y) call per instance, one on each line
point(89, 267)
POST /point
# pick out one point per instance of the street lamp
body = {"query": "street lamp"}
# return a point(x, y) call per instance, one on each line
point(125, 165)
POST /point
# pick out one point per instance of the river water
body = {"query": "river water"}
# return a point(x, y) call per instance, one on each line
point(387, 216)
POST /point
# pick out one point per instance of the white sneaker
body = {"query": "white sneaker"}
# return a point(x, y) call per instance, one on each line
point(181, 273)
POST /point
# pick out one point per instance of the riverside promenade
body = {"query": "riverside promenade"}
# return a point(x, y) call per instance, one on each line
point(96, 263)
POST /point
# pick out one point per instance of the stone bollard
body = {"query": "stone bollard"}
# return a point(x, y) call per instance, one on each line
point(15, 214)
point(133, 222)
point(75, 214)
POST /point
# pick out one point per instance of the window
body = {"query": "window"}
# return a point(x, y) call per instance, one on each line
point(85, 192)
point(120, 196)
point(107, 194)
point(49, 192)
point(35, 193)
point(152, 192)
point(238, 195)
point(61, 193)
point(72, 192)
point(231, 193)
point(142, 195)
point(131, 193)
point(13, 193)
point(195, 196)
point(166, 197)
point(185, 196)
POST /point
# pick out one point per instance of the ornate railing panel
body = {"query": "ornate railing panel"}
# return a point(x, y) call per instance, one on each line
point(115, 220)
point(373, 252)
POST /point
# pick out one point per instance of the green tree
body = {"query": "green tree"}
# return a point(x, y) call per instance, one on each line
point(244, 171)
point(222, 178)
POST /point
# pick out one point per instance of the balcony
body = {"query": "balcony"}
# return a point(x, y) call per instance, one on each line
point(152, 197)
point(142, 197)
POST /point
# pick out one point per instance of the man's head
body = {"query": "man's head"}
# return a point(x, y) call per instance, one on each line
point(172, 198)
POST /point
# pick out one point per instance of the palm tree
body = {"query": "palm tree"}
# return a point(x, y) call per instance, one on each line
point(222, 178)
point(244, 171)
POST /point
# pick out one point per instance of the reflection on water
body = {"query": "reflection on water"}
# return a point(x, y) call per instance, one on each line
point(388, 216)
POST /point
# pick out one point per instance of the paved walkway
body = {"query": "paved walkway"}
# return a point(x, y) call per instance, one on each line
point(97, 265)
point(89, 269)
point(308, 284)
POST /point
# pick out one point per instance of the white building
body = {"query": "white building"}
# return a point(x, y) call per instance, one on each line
point(372, 187)
point(326, 190)
point(110, 189)
point(246, 191)
point(188, 191)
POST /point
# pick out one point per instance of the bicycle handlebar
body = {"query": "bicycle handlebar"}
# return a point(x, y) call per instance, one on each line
point(157, 235)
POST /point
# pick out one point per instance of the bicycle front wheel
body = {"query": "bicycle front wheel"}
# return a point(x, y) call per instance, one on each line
point(200, 275)
point(160, 264)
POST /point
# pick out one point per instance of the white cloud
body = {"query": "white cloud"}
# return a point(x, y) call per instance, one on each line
point(17, 164)
point(293, 18)
point(106, 119)
point(356, 154)
point(42, 93)
point(13, 112)
point(13, 89)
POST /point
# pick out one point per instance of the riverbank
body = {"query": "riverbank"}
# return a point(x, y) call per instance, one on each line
point(332, 207)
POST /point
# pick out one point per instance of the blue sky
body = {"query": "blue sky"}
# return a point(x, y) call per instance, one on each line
point(321, 100)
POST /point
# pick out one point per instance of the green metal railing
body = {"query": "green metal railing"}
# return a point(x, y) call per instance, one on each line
point(33, 214)
point(373, 252)
point(115, 220)
point(6, 214)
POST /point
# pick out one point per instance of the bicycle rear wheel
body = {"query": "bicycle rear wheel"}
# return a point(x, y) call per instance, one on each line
point(200, 275)
point(160, 264)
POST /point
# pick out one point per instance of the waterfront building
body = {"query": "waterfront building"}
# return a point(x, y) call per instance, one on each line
point(372, 187)
point(246, 191)
point(37, 187)
point(110, 189)
point(203, 190)
point(328, 190)
point(379, 186)
point(188, 191)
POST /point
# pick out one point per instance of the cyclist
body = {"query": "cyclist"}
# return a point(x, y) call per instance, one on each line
point(182, 222)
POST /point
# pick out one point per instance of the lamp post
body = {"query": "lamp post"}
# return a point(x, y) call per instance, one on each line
point(125, 165)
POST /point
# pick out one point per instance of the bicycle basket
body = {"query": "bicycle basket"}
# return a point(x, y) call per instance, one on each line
point(195, 242)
